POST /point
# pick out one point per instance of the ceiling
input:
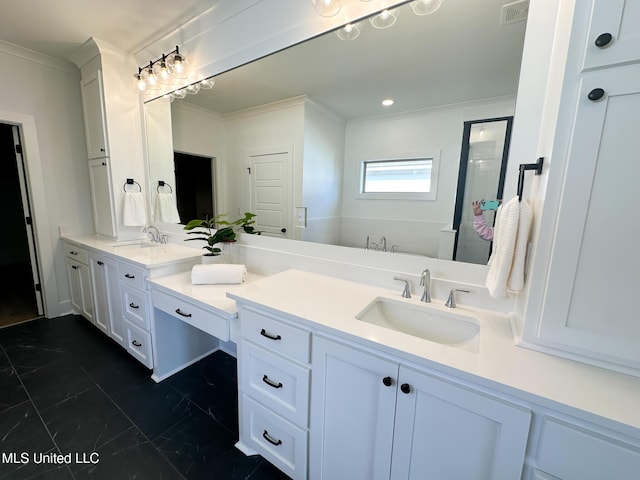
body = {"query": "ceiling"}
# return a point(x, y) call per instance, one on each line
point(460, 53)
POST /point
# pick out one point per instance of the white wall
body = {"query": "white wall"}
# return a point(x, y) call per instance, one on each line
point(46, 93)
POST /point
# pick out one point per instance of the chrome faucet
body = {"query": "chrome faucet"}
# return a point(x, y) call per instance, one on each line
point(406, 291)
point(425, 281)
point(383, 243)
point(155, 234)
point(451, 301)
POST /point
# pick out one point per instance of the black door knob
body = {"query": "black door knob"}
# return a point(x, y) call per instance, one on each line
point(283, 230)
point(595, 94)
point(603, 40)
point(387, 381)
point(405, 388)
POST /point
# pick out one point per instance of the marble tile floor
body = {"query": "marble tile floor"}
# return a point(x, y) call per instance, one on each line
point(69, 394)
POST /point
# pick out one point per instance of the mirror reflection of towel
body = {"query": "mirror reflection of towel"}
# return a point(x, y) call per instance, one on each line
point(510, 238)
point(166, 209)
point(134, 211)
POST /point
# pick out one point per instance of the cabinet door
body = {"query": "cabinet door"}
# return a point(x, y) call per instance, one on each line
point(73, 274)
point(620, 20)
point(352, 413)
point(101, 198)
point(87, 294)
point(94, 115)
point(594, 265)
point(109, 316)
point(444, 430)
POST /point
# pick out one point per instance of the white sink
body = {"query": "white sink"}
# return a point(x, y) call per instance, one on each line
point(424, 321)
point(135, 244)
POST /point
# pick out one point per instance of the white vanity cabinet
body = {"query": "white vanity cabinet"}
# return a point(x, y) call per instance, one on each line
point(374, 418)
point(273, 389)
point(587, 262)
point(135, 304)
point(79, 276)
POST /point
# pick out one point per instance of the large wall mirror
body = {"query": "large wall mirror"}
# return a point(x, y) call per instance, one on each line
point(288, 136)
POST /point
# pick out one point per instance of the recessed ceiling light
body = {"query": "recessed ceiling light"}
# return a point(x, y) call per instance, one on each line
point(387, 102)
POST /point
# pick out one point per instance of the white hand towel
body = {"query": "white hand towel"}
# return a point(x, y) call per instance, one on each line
point(219, 273)
point(510, 237)
point(134, 210)
point(166, 209)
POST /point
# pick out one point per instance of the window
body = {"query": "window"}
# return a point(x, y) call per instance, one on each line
point(409, 178)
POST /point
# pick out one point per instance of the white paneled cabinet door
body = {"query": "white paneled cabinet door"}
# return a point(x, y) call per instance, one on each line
point(614, 36)
point(101, 198)
point(94, 115)
point(443, 430)
point(352, 413)
point(109, 315)
point(595, 262)
point(100, 285)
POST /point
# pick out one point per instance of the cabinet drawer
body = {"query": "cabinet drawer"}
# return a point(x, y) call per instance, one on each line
point(189, 313)
point(135, 305)
point(77, 253)
point(277, 440)
point(131, 275)
point(278, 336)
point(572, 453)
point(281, 385)
point(138, 343)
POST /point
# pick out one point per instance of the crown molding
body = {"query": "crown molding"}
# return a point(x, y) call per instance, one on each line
point(35, 57)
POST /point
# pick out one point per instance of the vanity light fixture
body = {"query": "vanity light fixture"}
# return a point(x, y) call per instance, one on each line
point(425, 7)
point(349, 32)
point(327, 8)
point(163, 70)
point(387, 102)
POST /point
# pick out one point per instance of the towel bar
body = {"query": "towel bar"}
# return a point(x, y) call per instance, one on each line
point(523, 168)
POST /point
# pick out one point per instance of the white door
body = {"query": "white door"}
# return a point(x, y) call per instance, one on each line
point(352, 413)
point(446, 431)
point(26, 206)
point(270, 187)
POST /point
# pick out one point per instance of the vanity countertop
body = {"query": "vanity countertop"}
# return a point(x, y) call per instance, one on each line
point(131, 251)
point(491, 359)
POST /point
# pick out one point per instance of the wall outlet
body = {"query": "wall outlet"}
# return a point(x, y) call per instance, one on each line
point(301, 216)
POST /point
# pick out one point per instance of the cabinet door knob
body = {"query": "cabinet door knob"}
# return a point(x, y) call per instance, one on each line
point(603, 40)
point(405, 388)
point(387, 381)
point(595, 94)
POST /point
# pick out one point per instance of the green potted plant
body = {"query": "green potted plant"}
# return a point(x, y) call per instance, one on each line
point(217, 230)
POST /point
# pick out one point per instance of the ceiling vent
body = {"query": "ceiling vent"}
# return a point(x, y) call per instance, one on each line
point(514, 12)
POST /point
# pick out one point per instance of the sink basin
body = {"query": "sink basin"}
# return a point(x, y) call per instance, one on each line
point(447, 328)
point(135, 244)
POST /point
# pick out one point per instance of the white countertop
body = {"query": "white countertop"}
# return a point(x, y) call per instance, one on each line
point(208, 296)
point(149, 257)
point(492, 358)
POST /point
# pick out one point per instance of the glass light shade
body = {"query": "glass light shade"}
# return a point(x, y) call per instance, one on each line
point(177, 64)
point(162, 73)
point(148, 77)
point(193, 88)
point(349, 32)
point(425, 7)
point(139, 85)
point(207, 83)
point(384, 19)
point(326, 8)
point(180, 94)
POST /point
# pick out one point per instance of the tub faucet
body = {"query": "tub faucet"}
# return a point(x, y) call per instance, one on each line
point(155, 234)
point(425, 281)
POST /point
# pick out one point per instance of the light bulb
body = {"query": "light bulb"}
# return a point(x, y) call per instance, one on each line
point(161, 71)
point(139, 84)
point(349, 32)
point(149, 77)
point(425, 7)
point(177, 65)
point(327, 8)
point(384, 19)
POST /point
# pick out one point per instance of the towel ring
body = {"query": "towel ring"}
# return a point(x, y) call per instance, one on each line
point(131, 181)
point(162, 183)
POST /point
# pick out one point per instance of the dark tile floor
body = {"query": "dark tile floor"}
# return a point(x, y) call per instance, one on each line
point(65, 388)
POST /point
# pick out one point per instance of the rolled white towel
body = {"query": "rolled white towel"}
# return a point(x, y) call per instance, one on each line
point(219, 273)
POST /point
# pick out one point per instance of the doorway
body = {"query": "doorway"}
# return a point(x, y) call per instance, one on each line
point(194, 186)
point(21, 298)
point(483, 162)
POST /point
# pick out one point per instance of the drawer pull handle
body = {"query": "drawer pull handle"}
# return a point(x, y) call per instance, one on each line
point(135, 343)
point(128, 275)
point(75, 267)
point(180, 312)
point(73, 252)
point(270, 439)
point(100, 263)
point(271, 383)
point(264, 333)
point(133, 305)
